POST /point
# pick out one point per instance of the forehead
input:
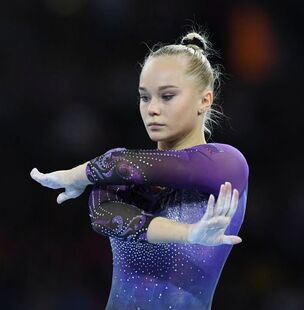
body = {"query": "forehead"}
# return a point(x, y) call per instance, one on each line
point(164, 70)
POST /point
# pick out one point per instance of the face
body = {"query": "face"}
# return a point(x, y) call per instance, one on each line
point(176, 106)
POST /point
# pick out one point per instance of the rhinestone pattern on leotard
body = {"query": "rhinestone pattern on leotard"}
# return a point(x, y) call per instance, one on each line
point(169, 276)
point(111, 216)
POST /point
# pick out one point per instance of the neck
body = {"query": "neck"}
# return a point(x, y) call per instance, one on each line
point(181, 143)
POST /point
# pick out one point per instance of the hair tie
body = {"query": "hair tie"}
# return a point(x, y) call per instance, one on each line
point(194, 41)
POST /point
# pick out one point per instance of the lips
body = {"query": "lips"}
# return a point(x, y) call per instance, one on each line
point(157, 124)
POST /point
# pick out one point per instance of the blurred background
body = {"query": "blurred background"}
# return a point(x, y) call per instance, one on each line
point(68, 93)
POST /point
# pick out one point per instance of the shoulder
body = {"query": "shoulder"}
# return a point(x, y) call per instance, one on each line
point(225, 154)
point(232, 150)
point(222, 147)
point(216, 148)
point(232, 163)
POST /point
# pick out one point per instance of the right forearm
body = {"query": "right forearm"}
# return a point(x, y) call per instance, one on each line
point(163, 230)
point(136, 222)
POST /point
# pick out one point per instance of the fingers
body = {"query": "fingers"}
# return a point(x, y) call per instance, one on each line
point(234, 203)
point(34, 173)
point(46, 179)
point(231, 240)
point(210, 207)
point(220, 200)
point(227, 201)
point(223, 200)
point(38, 176)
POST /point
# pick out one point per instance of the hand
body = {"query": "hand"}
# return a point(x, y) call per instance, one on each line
point(61, 179)
point(210, 229)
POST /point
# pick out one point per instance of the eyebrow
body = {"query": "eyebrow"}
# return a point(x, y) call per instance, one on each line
point(159, 88)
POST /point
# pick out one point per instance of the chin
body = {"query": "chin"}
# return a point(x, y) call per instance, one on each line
point(154, 139)
point(159, 136)
point(158, 139)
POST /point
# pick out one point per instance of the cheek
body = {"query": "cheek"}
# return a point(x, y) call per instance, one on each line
point(186, 118)
point(183, 113)
point(141, 111)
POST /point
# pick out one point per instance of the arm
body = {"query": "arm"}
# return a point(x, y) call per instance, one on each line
point(125, 221)
point(208, 231)
point(204, 168)
point(113, 216)
point(73, 180)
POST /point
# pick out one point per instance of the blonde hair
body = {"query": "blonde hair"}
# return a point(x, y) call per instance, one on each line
point(196, 46)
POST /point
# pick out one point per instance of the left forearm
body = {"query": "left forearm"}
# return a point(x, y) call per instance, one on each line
point(79, 175)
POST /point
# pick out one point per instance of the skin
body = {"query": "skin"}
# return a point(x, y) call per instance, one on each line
point(181, 113)
point(181, 110)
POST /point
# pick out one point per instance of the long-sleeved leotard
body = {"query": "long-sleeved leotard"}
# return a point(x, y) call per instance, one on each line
point(112, 216)
point(167, 275)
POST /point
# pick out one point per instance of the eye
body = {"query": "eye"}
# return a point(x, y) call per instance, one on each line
point(168, 97)
point(143, 98)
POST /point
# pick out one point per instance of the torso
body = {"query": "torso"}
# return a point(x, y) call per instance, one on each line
point(167, 276)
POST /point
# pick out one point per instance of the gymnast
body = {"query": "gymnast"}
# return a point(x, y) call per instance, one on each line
point(172, 214)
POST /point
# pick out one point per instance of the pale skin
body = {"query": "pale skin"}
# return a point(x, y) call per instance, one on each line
point(180, 110)
point(182, 114)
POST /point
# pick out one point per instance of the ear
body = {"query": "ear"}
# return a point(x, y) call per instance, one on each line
point(206, 100)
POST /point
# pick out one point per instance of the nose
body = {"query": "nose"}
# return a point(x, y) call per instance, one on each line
point(153, 107)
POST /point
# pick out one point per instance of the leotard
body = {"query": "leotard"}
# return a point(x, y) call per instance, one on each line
point(130, 188)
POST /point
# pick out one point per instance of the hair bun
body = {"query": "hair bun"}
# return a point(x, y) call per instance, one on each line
point(194, 39)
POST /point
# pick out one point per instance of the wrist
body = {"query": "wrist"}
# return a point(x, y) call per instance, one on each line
point(79, 176)
point(166, 230)
point(183, 232)
point(188, 236)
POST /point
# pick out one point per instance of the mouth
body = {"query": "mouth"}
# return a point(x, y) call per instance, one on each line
point(155, 125)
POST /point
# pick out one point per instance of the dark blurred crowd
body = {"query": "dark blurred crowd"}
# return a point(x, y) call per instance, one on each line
point(68, 92)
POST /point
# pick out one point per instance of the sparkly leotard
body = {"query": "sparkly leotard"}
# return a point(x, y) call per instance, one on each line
point(123, 201)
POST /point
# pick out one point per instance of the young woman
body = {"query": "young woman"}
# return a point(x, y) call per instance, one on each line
point(169, 238)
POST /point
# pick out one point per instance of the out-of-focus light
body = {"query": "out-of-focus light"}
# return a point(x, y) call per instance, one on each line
point(252, 50)
point(65, 7)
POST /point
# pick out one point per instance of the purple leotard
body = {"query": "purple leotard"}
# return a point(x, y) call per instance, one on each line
point(122, 203)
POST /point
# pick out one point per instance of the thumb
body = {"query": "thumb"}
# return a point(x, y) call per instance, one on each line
point(62, 197)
